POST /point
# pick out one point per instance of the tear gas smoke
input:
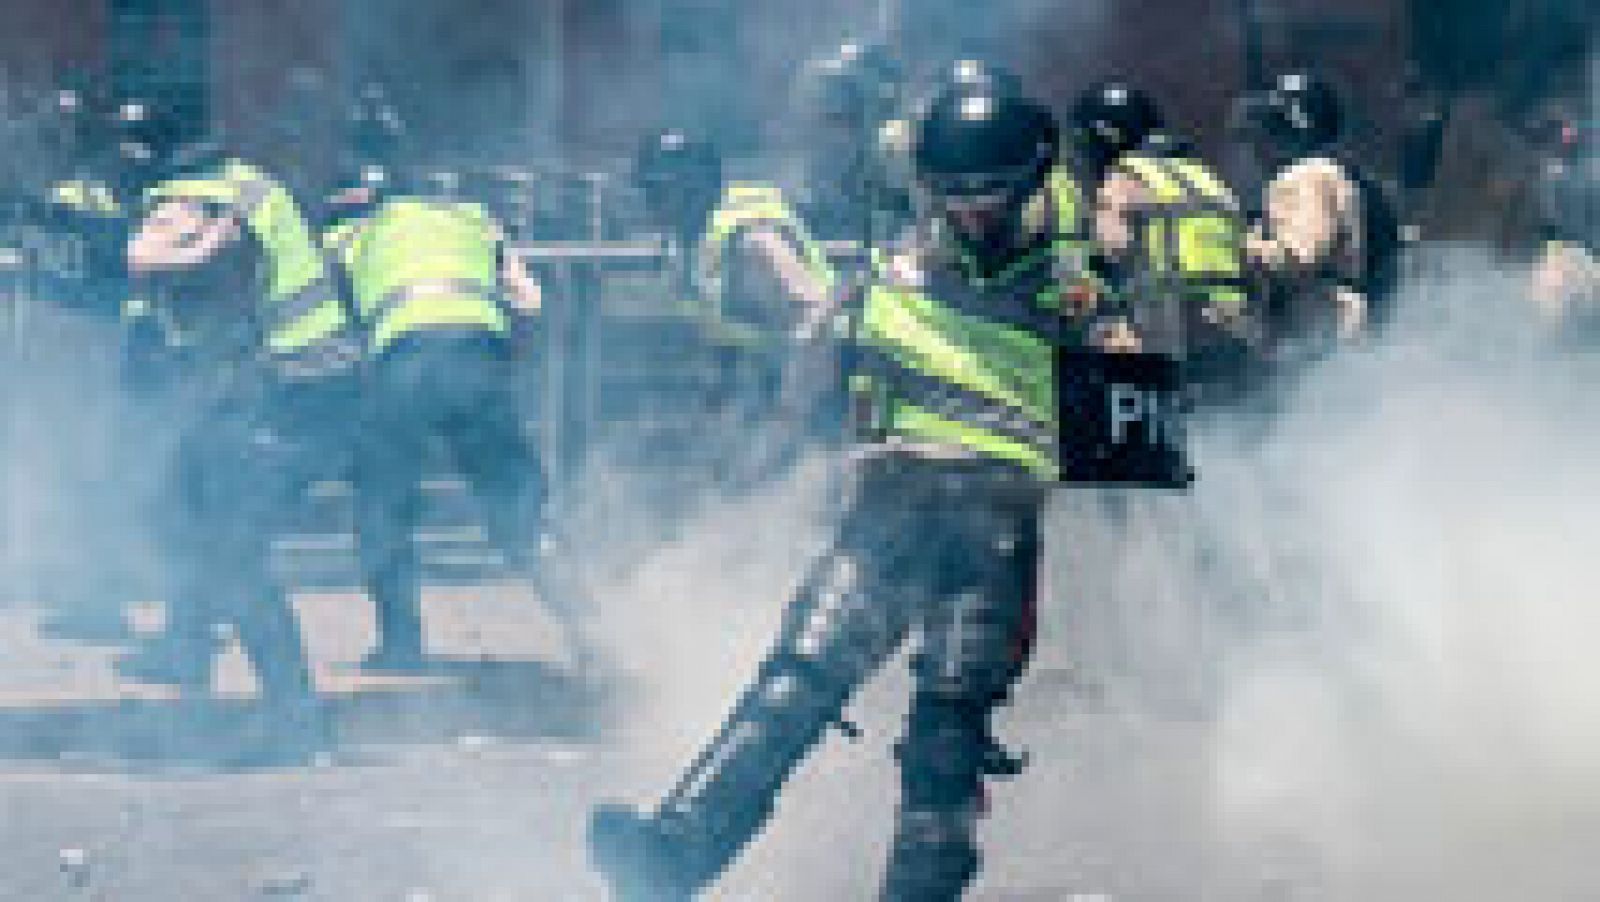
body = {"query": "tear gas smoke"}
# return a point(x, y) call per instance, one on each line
point(1355, 663)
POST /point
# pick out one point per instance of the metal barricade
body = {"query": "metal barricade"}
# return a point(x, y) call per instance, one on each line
point(582, 317)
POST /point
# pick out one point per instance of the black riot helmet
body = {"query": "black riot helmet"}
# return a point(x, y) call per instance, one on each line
point(374, 138)
point(980, 152)
point(966, 74)
point(977, 74)
point(1300, 114)
point(1112, 119)
point(859, 84)
point(159, 137)
point(680, 178)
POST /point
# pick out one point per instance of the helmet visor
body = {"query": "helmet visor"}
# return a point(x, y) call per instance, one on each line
point(965, 188)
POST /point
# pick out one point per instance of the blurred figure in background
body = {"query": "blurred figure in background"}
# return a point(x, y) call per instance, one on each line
point(77, 266)
point(436, 294)
point(759, 286)
point(1566, 280)
point(859, 177)
point(87, 184)
point(1328, 243)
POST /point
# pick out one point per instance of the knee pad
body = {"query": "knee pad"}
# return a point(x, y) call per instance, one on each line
point(973, 647)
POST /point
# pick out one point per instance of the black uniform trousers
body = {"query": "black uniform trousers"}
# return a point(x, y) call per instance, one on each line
point(953, 565)
point(456, 389)
point(242, 467)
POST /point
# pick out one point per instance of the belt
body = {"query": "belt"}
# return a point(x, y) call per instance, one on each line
point(436, 288)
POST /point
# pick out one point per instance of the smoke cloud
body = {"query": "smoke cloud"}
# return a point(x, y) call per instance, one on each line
point(1356, 663)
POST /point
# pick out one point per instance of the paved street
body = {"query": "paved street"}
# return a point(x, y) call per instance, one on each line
point(471, 784)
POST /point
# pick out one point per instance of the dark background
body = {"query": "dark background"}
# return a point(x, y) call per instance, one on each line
point(513, 80)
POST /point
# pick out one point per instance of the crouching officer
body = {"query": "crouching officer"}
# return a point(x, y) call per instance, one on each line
point(754, 281)
point(436, 293)
point(956, 397)
point(229, 252)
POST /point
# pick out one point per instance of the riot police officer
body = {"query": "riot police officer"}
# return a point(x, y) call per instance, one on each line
point(955, 401)
point(437, 295)
point(265, 338)
point(754, 280)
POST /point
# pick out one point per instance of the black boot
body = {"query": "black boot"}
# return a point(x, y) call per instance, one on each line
point(934, 856)
point(282, 732)
point(722, 800)
point(641, 860)
point(844, 623)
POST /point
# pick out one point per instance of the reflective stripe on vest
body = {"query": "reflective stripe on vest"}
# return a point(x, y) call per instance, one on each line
point(933, 374)
point(1191, 233)
point(1071, 212)
point(86, 196)
point(417, 265)
point(301, 303)
point(744, 205)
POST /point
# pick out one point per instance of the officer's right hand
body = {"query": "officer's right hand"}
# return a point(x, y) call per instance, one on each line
point(1115, 336)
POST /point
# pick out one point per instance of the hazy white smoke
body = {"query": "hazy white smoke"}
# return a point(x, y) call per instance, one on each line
point(1357, 663)
point(1358, 658)
point(69, 487)
point(1431, 730)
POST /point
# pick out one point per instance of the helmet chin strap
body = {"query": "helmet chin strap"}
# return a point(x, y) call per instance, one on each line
point(1008, 235)
point(991, 251)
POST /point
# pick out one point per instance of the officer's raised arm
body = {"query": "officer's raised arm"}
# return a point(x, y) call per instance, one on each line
point(179, 235)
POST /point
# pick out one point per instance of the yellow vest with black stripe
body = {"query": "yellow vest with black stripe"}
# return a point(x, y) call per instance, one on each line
point(745, 205)
point(418, 265)
point(1190, 235)
point(968, 364)
point(301, 309)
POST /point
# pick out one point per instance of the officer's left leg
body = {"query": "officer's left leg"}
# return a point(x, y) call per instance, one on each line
point(492, 449)
point(388, 462)
point(849, 616)
point(495, 456)
point(273, 473)
point(975, 641)
point(291, 724)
